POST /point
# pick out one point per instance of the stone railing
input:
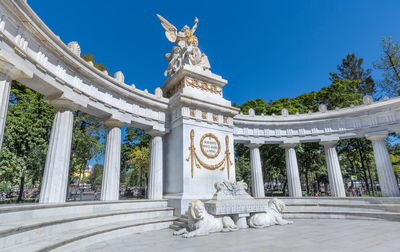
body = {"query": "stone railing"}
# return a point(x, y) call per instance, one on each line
point(351, 122)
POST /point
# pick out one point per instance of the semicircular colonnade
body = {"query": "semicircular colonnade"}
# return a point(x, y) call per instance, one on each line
point(32, 54)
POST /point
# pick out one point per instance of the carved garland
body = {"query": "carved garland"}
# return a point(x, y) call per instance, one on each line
point(196, 161)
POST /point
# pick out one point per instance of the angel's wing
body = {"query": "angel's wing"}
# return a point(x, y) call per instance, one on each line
point(170, 29)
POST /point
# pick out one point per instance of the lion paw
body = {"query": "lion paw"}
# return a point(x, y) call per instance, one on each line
point(186, 236)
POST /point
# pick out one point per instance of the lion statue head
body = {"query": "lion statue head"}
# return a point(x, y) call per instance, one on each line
point(277, 205)
point(197, 211)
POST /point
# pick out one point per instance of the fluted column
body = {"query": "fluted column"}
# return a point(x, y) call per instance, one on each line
point(292, 172)
point(256, 171)
point(334, 172)
point(386, 176)
point(5, 81)
point(55, 177)
point(112, 162)
point(155, 188)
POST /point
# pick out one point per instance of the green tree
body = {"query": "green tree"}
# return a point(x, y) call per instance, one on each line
point(87, 133)
point(96, 177)
point(26, 137)
point(135, 147)
point(351, 69)
point(389, 64)
point(258, 105)
point(139, 160)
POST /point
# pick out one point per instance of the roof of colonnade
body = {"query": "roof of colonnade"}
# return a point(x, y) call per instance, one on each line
point(57, 71)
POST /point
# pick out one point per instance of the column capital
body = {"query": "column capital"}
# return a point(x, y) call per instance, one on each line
point(254, 145)
point(155, 133)
point(381, 135)
point(61, 103)
point(328, 143)
point(289, 145)
point(10, 72)
point(113, 123)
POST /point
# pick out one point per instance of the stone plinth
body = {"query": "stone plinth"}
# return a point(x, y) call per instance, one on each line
point(200, 142)
point(232, 199)
point(240, 206)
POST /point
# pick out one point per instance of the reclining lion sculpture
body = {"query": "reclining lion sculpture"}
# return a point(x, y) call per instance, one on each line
point(202, 223)
point(272, 216)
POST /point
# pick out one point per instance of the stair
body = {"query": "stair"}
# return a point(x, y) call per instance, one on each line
point(332, 208)
point(180, 223)
point(37, 227)
point(343, 208)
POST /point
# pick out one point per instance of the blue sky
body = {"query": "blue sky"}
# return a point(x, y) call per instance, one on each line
point(265, 49)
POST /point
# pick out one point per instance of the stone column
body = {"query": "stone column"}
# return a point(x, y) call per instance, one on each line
point(334, 172)
point(155, 188)
point(387, 179)
point(256, 171)
point(55, 177)
point(292, 173)
point(112, 162)
point(5, 83)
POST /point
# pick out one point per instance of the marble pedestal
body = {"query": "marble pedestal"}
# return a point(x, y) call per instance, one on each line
point(199, 147)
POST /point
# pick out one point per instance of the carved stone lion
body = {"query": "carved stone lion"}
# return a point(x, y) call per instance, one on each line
point(272, 216)
point(202, 223)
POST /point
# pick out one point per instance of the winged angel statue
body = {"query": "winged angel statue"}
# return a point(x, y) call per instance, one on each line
point(185, 50)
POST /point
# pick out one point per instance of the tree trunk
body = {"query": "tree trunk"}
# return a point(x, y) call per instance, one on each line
point(284, 188)
point(21, 187)
point(307, 182)
point(365, 169)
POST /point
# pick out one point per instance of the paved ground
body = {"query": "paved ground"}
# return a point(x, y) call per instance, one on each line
point(303, 235)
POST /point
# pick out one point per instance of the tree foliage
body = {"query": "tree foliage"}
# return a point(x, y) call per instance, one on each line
point(347, 88)
point(26, 137)
point(86, 145)
point(389, 64)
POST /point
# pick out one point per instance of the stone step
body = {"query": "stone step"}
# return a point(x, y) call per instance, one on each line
point(179, 224)
point(383, 207)
point(342, 215)
point(174, 227)
point(331, 208)
point(26, 212)
point(11, 228)
point(68, 239)
point(183, 219)
point(56, 230)
point(347, 200)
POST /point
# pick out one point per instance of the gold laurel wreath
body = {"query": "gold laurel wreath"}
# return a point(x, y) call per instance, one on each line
point(196, 161)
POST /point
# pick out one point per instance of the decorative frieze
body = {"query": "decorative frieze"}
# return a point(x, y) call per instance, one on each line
point(194, 83)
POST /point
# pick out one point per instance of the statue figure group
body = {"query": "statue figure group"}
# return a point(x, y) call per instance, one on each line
point(185, 50)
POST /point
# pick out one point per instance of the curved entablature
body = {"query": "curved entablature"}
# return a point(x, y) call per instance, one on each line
point(355, 121)
point(44, 63)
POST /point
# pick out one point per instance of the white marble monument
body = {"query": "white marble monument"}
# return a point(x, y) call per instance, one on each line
point(200, 141)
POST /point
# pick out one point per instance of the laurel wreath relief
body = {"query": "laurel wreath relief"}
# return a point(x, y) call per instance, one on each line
point(194, 159)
